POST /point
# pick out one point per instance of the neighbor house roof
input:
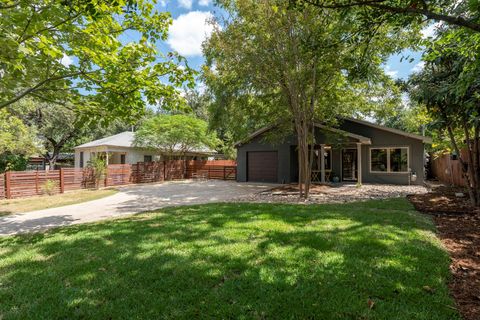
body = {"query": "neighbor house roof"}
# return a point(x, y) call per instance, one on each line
point(259, 132)
point(125, 140)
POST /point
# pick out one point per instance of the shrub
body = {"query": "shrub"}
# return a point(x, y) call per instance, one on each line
point(99, 166)
point(50, 187)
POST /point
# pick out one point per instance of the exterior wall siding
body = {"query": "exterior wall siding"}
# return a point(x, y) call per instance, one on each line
point(258, 144)
point(288, 162)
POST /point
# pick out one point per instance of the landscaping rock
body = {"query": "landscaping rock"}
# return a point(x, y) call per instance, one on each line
point(333, 193)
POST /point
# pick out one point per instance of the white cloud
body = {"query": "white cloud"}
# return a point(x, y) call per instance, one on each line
point(187, 4)
point(418, 67)
point(430, 30)
point(66, 60)
point(163, 3)
point(203, 3)
point(188, 32)
point(390, 72)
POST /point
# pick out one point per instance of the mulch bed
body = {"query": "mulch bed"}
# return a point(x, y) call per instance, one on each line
point(458, 225)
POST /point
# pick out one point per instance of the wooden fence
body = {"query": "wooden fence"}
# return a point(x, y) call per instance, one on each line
point(447, 170)
point(16, 184)
point(220, 169)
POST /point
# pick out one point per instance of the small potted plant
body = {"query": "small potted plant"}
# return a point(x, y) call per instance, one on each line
point(335, 178)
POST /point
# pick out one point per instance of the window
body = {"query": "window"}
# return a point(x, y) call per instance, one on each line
point(81, 159)
point(389, 159)
point(399, 160)
point(378, 160)
point(147, 158)
point(122, 159)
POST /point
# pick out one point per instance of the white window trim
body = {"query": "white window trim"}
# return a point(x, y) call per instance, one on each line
point(388, 148)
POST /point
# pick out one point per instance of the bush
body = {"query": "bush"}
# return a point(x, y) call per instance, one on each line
point(99, 166)
point(50, 187)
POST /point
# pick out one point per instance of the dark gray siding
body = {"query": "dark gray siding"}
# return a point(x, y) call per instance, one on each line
point(258, 144)
point(287, 161)
point(382, 138)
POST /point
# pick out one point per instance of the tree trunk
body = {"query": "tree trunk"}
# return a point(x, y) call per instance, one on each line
point(464, 166)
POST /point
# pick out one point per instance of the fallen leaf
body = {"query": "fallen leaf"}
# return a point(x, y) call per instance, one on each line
point(371, 303)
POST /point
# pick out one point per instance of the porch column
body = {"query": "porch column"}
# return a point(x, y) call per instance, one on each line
point(322, 163)
point(359, 163)
point(106, 157)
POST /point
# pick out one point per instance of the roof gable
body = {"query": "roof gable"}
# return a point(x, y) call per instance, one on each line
point(123, 139)
point(362, 139)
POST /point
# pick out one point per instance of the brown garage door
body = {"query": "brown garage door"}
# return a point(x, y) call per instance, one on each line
point(262, 166)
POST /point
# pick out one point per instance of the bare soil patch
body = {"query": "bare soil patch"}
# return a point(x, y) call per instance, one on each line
point(458, 225)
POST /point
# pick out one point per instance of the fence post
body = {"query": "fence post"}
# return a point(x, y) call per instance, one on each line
point(36, 181)
point(224, 177)
point(164, 170)
point(62, 182)
point(8, 193)
point(106, 177)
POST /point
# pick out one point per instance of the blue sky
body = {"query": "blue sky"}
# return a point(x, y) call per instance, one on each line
point(189, 29)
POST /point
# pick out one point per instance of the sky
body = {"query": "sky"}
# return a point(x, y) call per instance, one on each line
point(189, 30)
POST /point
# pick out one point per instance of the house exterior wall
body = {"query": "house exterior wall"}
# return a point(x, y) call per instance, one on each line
point(258, 144)
point(132, 155)
point(288, 162)
point(382, 138)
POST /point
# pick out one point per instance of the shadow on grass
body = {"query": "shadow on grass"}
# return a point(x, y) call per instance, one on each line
point(232, 261)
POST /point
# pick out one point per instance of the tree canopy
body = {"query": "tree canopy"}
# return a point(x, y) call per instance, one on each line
point(175, 134)
point(271, 64)
point(101, 55)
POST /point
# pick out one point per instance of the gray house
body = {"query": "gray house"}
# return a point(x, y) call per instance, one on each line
point(355, 151)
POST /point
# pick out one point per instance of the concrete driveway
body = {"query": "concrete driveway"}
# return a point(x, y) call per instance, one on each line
point(130, 200)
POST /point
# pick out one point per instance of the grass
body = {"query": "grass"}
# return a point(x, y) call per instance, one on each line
point(58, 200)
point(245, 261)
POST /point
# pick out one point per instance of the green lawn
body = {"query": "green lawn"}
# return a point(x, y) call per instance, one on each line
point(243, 261)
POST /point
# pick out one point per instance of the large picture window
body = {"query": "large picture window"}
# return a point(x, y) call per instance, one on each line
point(389, 159)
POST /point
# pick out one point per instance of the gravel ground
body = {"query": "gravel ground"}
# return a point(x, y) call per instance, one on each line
point(333, 194)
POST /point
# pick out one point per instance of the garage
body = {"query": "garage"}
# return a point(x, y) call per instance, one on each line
point(262, 166)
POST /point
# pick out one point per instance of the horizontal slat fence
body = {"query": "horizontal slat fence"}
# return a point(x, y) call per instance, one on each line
point(221, 169)
point(16, 184)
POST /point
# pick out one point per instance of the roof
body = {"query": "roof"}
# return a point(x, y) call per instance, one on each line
point(125, 140)
point(360, 138)
point(424, 139)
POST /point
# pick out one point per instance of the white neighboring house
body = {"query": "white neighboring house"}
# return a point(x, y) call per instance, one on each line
point(119, 149)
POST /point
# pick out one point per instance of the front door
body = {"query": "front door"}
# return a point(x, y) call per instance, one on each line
point(349, 164)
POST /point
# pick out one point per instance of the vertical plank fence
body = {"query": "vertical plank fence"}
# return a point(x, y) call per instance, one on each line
point(2, 186)
point(447, 170)
point(16, 184)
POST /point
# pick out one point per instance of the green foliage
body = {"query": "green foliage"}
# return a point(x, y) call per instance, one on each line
point(175, 134)
point(50, 187)
point(107, 76)
point(15, 136)
point(98, 164)
point(13, 162)
point(234, 261)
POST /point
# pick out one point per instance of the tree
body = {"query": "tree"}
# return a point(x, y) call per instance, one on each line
point(17, 142)
point(175, 134)
point(291, 67)
point(454, 106)
point(77, 49)
point(465, 14)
